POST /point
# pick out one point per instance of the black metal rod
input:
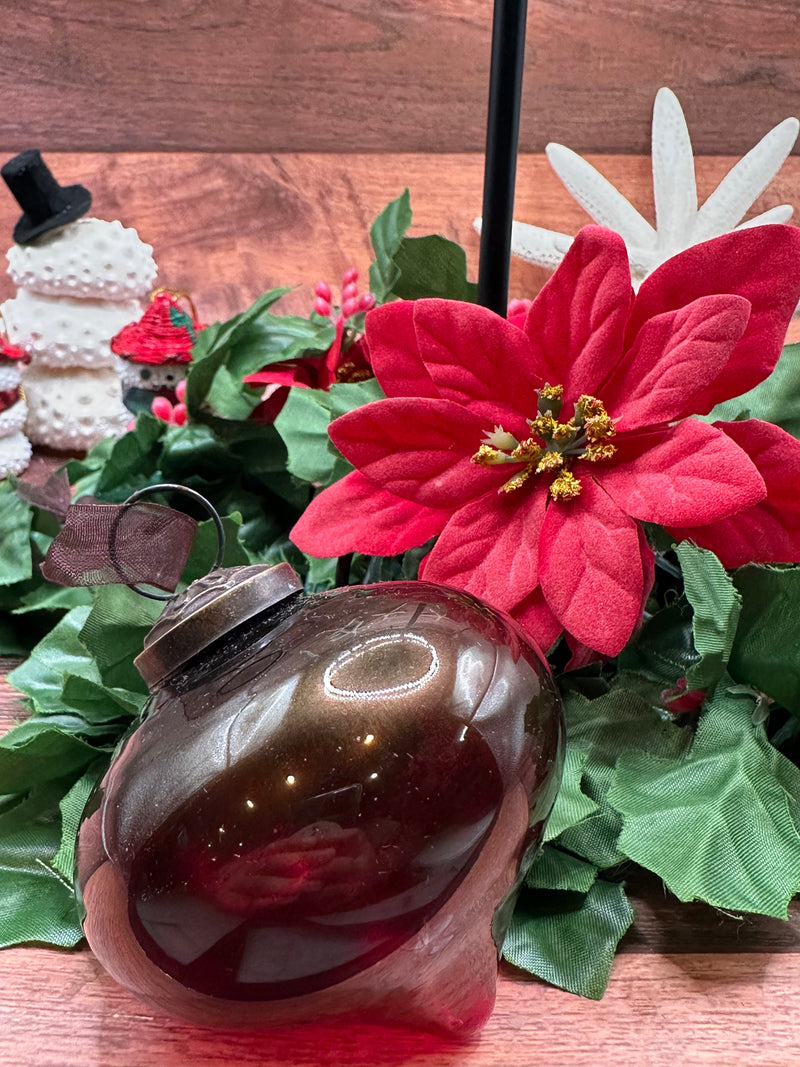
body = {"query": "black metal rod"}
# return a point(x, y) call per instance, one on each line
point(502, 138)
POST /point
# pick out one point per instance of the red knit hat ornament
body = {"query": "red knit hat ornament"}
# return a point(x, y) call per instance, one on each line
point(164, 335)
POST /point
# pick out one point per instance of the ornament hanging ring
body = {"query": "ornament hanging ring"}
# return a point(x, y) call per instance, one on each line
point(164, 487)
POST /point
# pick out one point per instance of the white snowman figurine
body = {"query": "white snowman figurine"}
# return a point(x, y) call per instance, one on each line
point(79, 281)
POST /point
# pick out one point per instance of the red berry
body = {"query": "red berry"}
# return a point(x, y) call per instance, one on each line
point(349, 291)
point(161, 408)
point(179, 414)
point(322, 307)
point(366, 301)
point(323, 291)
point(350, 276)
point(349, 307)
point(180, 390)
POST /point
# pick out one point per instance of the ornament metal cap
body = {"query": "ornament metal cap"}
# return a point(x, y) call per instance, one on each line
point(208, 609)
point(44, 202)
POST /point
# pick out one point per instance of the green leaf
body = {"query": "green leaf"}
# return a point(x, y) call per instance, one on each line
point(605, 727)
point(38, 902)
point(48, 597)
point(60, 653)
point(303, 424)
point(16, 563)
point(204, 550)
point(766, 652)
point(555, 869)
point(433, 267)
point(133, 459)
point(221, 342)
point(716, 605)
point(569, 939)
point(386, 235)
point(271, 339)
point(113, 633)
point(572, 805)
point(29, 758)
point(664, 647)
point(721, 824)
point(72, 806)
point(96, 703)
point(773, 400)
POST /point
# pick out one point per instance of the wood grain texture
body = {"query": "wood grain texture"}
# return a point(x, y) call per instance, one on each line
point(385, 75)
point(659, 1011)
point(228, 227)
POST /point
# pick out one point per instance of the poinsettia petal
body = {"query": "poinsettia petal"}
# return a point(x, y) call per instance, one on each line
point(419, 449)
point(537, 620)
point(768, 532)
point(490, 547)
point(675, 356)
point(762, 264)
point(577, 322)
point(393, 351)
point(583, 655)
point(353, 515)
point(590, 569)
point(690, 469)
point(326, 375)
point(477, 358)
point(302, 374)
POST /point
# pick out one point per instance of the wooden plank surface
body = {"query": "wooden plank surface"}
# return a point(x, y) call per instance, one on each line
point(61, 1010)
point(228, 227)
point(385, 75)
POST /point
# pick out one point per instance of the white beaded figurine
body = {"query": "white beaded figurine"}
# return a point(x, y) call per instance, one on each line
point(80, 280)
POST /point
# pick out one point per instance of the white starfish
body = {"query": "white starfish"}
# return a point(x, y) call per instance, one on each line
point(679, 222)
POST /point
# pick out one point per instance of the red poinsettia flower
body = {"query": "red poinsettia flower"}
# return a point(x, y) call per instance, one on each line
point(537, 453)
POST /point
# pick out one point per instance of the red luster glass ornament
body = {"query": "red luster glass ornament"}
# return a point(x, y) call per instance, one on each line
point(326, 807)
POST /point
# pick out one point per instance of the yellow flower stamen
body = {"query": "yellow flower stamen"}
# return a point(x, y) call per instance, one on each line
point(554, 445)
point(516, 480)
point(543, 425)
point(565, 487)
point(550, 461)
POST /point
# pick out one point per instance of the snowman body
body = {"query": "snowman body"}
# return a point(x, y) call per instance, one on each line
point(77, 285)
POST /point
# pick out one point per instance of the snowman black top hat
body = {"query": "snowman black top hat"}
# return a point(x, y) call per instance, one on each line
point(45, 203)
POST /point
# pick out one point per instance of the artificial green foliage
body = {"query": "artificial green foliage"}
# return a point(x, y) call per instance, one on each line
point(715, 606)
point(303, 425)
point(15, 551)
point(766, 650)
point(720, 824)
point(222, 344)
point(433, 267)
point(572, 805)
point(569, 938)
point(386, 235)
point(38, 900)
point(663, 650)
point(555, 869)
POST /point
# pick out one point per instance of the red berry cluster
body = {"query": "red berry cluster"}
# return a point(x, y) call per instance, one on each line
point(173, 413)
point(353, 302)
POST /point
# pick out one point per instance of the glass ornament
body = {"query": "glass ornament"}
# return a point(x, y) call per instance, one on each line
point(326, 808)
